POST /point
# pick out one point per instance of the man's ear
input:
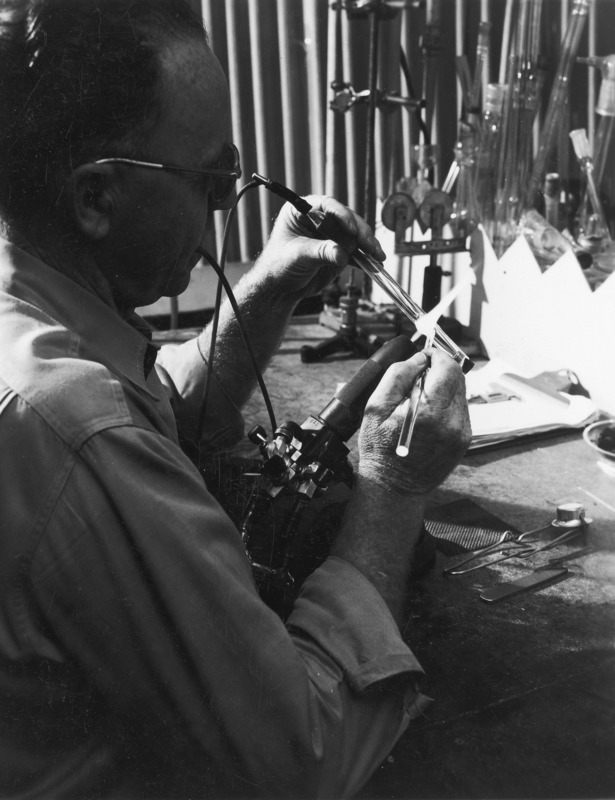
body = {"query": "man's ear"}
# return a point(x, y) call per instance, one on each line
point(93, 199)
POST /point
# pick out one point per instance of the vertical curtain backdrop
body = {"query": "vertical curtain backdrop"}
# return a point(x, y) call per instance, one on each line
point(281, 57)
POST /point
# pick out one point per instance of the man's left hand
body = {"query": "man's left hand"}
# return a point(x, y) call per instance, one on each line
point(302, 263)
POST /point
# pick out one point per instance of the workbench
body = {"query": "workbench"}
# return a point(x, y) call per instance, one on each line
point(523, 690)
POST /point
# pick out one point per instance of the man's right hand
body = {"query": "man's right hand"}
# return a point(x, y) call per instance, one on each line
point(441, 435)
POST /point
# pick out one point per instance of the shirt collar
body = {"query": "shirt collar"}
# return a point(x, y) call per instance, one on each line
point(124, 345)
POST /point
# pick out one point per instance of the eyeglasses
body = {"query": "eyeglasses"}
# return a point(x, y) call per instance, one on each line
point(224, 175)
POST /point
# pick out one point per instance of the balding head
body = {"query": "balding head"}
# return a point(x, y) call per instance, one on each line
point(79, 78)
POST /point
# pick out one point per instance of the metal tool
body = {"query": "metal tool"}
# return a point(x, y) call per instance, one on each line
point(536, 580)
point(301, 461)
point(508, 537)
point(507, 540)
point(569, 516)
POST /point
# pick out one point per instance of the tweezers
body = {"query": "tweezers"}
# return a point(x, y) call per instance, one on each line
point(519, 550)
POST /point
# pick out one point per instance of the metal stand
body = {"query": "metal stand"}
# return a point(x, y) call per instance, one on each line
point(350, 339)
point(398, 214)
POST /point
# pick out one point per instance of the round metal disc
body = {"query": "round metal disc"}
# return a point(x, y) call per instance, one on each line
point(435, 198)
point(391, 210)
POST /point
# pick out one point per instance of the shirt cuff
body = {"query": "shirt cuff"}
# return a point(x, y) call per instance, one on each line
point(342, 611)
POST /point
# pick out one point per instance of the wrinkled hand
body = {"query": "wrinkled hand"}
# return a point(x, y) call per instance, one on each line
point(441, 435)
point(302, 263)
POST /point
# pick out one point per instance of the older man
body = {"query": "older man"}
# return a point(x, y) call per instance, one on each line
point(136, 658)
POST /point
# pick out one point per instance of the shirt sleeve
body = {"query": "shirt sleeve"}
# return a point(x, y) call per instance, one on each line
point(145, 582)
point(183, 369)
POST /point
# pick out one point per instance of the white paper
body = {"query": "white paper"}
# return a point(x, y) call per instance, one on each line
point(525, 410)
point(547, 321)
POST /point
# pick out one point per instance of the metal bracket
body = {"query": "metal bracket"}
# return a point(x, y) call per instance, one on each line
point(399, 212)
point(345, 97)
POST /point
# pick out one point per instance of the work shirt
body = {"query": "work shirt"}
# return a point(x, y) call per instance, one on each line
point(136, 657)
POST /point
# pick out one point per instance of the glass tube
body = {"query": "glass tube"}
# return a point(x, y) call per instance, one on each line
point(556, 107)
point(373, 268)
point(408, 306)
point(482, 51)
point(487, 156)
point(605, 108)
point(516, 152)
